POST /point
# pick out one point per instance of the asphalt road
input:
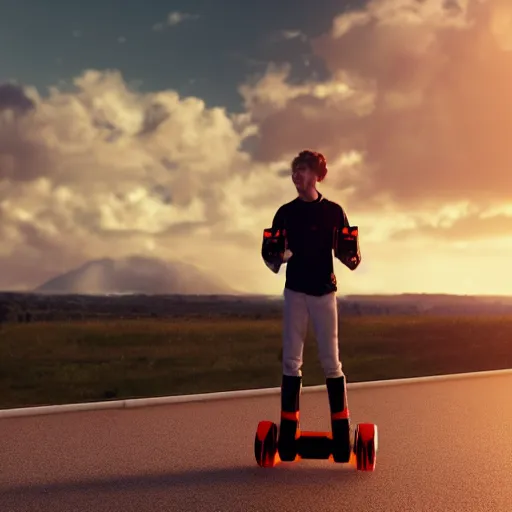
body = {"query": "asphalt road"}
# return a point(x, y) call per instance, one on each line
point(443, 446)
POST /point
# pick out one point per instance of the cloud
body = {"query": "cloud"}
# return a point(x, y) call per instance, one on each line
point(105, 171)
point(468, 228)
point(13, 98)
point(174, 18)
point(418, 89)
point(294, 34)
point(287, 35)
point(414, 119)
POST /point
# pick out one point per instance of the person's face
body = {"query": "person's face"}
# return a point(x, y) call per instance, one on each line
point(303, 177)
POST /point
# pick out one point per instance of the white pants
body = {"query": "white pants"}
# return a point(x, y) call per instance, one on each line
point(299, 308)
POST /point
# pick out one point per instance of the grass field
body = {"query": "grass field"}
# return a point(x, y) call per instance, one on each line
point(55, 363)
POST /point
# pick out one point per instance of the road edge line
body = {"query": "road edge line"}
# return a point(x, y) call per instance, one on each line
point(131, 403)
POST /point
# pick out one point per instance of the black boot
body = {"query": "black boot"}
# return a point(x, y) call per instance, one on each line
point(340, 418)
point(290, 408)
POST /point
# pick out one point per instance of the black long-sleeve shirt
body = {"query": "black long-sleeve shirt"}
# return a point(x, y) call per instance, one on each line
point(310, 228)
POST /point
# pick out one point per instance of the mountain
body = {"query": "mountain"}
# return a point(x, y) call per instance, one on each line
point(134, 274)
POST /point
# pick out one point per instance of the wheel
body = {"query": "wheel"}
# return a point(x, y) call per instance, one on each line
point(265, 444)
point(366, 446)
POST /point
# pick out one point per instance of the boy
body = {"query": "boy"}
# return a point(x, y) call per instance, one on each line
point(309, 228)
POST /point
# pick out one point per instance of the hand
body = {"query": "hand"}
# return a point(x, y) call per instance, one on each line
point(352, 262)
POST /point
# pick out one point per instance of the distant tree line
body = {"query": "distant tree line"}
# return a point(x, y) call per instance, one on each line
point(26, 308)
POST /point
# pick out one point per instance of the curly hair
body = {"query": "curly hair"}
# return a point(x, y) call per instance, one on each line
point(313, 159)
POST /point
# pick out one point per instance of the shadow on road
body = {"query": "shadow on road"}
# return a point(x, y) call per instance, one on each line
point(293, 475)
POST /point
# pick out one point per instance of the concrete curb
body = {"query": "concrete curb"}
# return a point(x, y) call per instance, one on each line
point(223, 395)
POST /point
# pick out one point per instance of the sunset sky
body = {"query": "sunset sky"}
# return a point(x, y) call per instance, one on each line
point(167, 130)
